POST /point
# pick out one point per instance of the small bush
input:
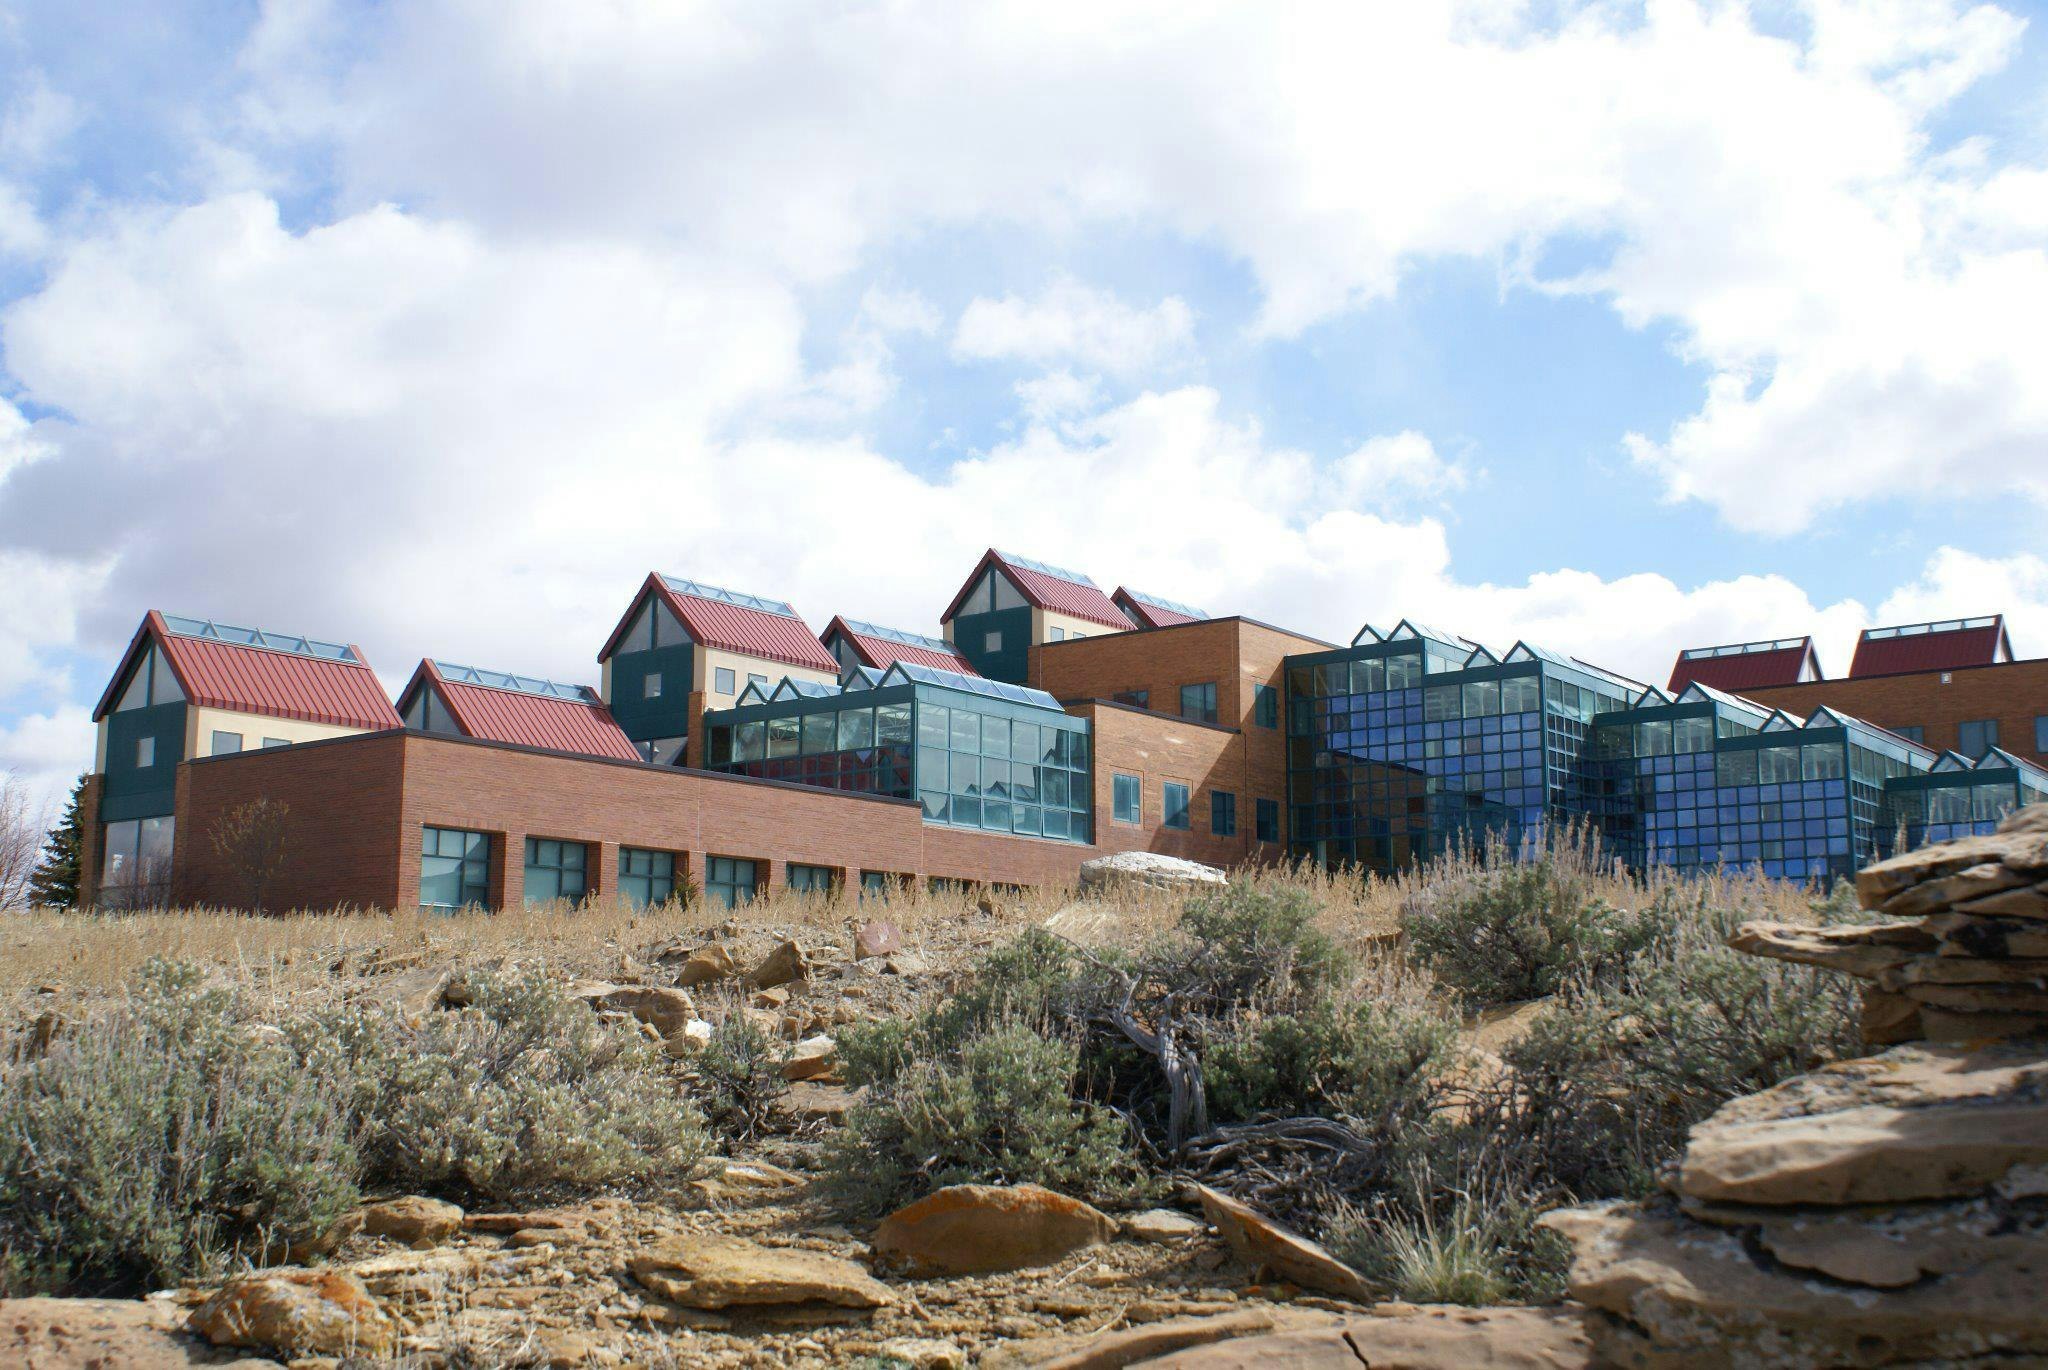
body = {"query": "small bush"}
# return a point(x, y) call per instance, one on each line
point(1464, 1248)
point(1001, 1110)
point(159, 1143)
point(524, 1090)
point(1368, 1061)
point(739, 1078)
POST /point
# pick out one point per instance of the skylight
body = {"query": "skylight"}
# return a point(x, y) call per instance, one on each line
point(1171, 606)
point(898, 635)
point(971, 684)
point(721, 596)
point(1946, 625)
point(1742, 648)
point(256, 637)
point(1048, 569)
point(519, 684)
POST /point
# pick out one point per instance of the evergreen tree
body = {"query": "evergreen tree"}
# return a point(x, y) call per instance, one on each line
point(55, 882)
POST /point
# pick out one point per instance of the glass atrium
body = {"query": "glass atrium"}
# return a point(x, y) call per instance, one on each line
point(1412, 741)
point(1958, 797)
point(976, 753)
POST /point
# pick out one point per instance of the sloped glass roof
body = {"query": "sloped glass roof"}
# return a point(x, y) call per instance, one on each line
point(1407, 628)
point(1652, 697)
point(722, 596)
point(1946, 625)
point(1782, 722)
point(2001, 758)
point(1048, 569)
point(1722, 697)
point(908, 639)
point(1368, 633)
point(1481, 657)
point(1158, 602)
point(752, 694)
point(256, 637)
point(1742, 648)
point(792, 688)
point(971, 684)
point(1951, 761)
point(522, 684)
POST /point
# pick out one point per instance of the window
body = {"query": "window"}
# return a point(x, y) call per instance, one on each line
point(730, 881)
point(225, 744)
point(555, 870)
point(1055, 634)
point(2041, 732)
point(1124, 798)
point(1077, 636)
point(145, 752)
point(811, 879)
point(1266, 816)
point(135, 863)
point(1265, 706)
point(1222, 813)
point(755, 678)
point(1137, 699)
point(455, 868)
point(879, 884)
point(662, 751)
point(650, 686)
point(1175, 804)
point(1198, 702)
point(992, 642)
point(722, 680)
point(270, 742)
point(1976, 736)
point(1915, 733)
point(646, 878)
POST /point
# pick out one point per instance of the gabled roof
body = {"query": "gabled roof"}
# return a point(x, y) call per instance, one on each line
point(219, 666)
point(1739, 666)
point(732, 621)
point(1150, 611)
point(1939, 646)
point(1046, 587)
point(882, 648)
point(524, 710)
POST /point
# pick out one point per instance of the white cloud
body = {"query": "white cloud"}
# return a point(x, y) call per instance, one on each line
point(1072, 323)
point(47, 752)
point(1391, 467)
point(1058, 394)
point(1961, 584)
point(37, 120)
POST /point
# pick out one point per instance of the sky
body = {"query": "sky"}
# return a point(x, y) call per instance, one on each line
point(434, 326)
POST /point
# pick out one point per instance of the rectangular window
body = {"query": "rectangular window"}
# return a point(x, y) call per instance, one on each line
point(1137, 699)
point(1976, 736)
point(1914, 732)
point(225, 744)
point(1222, 813)
point(1265, 706)
point(810, 879)
point(646, 878)
point(145, 752)
point(723, 680)
point(756, 678)
point(455, 868)
point(555, 871)
point(1124, 798)
point(270, 742)
point(650, 687)
point(1055, 634)
point(135, 863)
point(879, 884)
point(1198, 702)
point(1174, 802)
point(992, 642)
point(1266, 814)
point(2041, 732)
point(730, 881)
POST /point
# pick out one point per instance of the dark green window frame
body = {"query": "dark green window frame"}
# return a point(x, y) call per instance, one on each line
point(1265, 706)
point(646, 877)
point(1198, 702)
point(556, 871)
point(1975, 736)
point(1266, 819)
point(1174, 804)
point(458, 861)
point(810, 879)
point(1126, 798)
point(1223, 813)
point(731, 880)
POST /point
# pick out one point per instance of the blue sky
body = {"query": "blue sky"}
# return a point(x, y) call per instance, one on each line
point(435, 326)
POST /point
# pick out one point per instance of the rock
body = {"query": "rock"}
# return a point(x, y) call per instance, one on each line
point(2029, 903)
point(1149, 869)
point(1991, 939)
point(412, 1220)
point(1887, 1019)
point(811, 1101)
point(297, 1312)
point(1415, 1338)
point(2015, 999)
point(973, 1229)
point(1162, 1225)
point(105, 1334)
point(786, 963)
point(706, 964)
point(876, 937)
point(771, 998)
point(923, 1353)
point(1145, 1345)
point(709, 1270)
point(1862, 951)
point(1261, 1242)
point(2018, 844)
point(907, 963)
point(695, 1036)
point(1972, 882)
point(1687, 1294)
point(811, 1058)
point(1886, 1247)
point(665, 1010)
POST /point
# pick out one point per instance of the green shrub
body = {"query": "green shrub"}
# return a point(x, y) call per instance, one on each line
point(999, 1110)
point(524, 1090)
point(1467, 1248)
point(1369, 1061)
point(159, 1143)
point(739, 1078)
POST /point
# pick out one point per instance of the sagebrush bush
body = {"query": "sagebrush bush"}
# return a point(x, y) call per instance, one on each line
point(523, 1090)
point(1382, 1063)
point(1473, 1248)
point(1000, 1109)
point(739, 1078)
point(162, 1141)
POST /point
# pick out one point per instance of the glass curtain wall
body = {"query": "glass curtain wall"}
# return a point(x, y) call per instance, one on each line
point(1957, 797)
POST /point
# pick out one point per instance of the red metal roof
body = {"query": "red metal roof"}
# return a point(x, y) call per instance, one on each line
point(582, 726)
point(883, 652)
point(733, 628)
point(1079, 599)
point(1749, 667)
point(263, 680)
point(1148, 612)
point(1941, 646)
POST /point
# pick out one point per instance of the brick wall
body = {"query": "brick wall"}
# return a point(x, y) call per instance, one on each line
point(1158, 749)
point(89, 841)
point(2015, 693)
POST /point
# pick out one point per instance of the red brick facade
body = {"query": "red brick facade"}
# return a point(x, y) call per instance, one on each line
point(2014, 693)
point(357, 806)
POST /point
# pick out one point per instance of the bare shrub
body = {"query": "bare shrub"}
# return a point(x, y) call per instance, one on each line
point(21, 841)
point(250, 841)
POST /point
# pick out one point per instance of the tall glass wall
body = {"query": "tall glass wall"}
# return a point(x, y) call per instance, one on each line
point(1958, 798)
point(1411, 742)
point(974, 753)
